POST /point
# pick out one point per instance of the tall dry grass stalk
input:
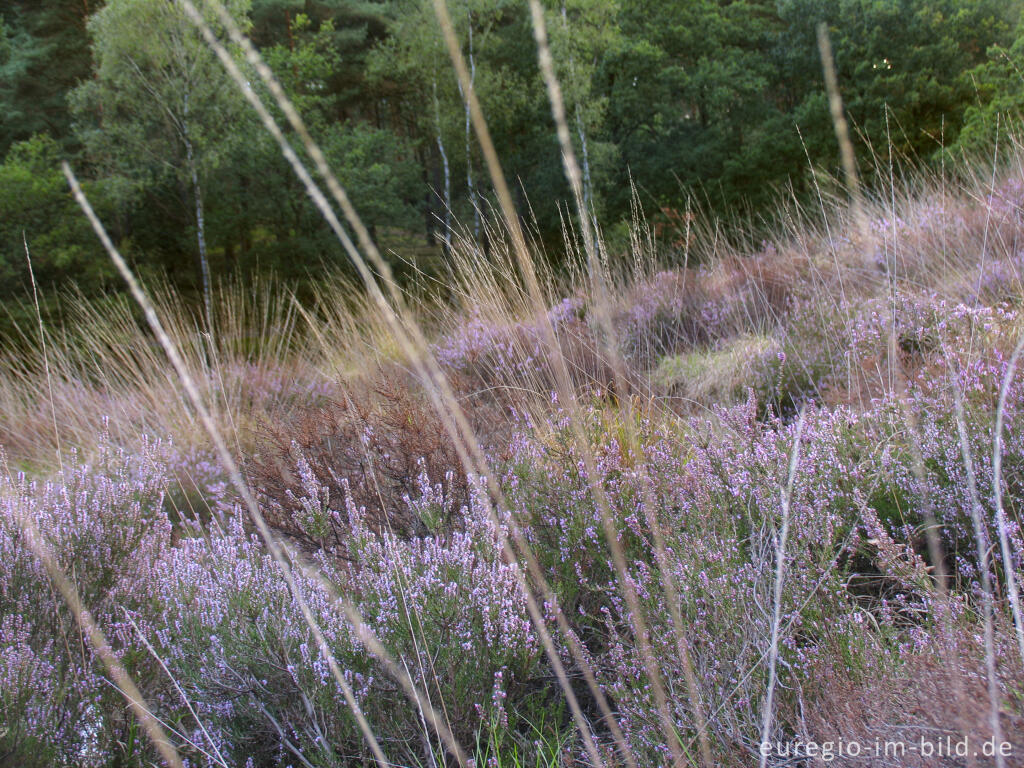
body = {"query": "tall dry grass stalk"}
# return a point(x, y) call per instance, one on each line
point(842, 128)
point(44, 352)
point(780, 575)
point(982, 544)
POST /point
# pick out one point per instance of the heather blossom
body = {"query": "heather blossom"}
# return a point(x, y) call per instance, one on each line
point(104, 523)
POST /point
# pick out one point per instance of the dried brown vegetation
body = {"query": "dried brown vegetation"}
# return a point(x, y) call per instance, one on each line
point(939, 696)
point(373, 446)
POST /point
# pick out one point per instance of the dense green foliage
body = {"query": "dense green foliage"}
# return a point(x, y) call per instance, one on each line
point(716, 101)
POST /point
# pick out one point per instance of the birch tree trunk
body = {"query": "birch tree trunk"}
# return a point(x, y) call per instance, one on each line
point(469, 153)
point(447, 234)
point(588, 185)
point(197, 194)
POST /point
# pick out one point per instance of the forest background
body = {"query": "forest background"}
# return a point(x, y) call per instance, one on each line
point(709, 105)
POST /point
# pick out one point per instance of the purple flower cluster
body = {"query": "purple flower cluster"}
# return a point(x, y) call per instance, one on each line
point(447, 607)
point(716, 499)
point(479, 346)
point(103, 523)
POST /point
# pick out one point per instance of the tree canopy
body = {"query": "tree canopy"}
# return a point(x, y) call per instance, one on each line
point(718, 100)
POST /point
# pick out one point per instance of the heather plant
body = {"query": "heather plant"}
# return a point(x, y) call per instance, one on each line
point(663, 316)
point(676, 311)
point(945, 483)
point(231, 634)
point(935, 241)
point(717, 504)
point(735, 476)
point(500, 358)
point(454, 606)
point(197, 491)
point(715, 489)
point(50, 708)
point(105, 521)
point(856, 589)
point(855, 353)
point(447, 605)
point(372, 445)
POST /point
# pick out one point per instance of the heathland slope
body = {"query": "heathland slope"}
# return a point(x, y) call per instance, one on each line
point(710, 507)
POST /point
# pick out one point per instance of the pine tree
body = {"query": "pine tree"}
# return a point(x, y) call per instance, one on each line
point(44, 53)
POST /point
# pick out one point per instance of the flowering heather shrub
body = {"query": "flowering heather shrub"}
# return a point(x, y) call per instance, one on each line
point(938, 345)
point(671, 312)
point(949, 243)
point(856, 587)
point(998, 283)
point(372, 446)
point(44, 724)
point(842, 354)
point(730, 491)
point(488, 359)
point(945, 484)
point(751, 293)
point(104, 523)
point(478, 343)
point(451, 606)
point(922, 323)
point(663, 315)
point(675, 311)
point(234, 638)
point(446, 606)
